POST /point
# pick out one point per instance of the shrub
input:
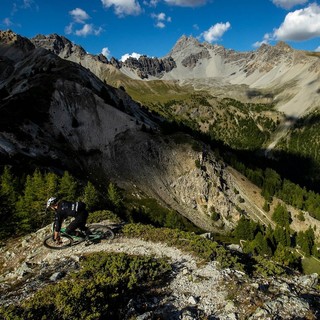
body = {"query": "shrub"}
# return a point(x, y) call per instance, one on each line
point(101, 215)
point(102, 287)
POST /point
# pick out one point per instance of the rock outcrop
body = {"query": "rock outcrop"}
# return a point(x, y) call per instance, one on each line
point(146, 67)
point(59, 45)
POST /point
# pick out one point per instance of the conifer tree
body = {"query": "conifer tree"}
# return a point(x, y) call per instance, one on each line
point(31, 205)
point(91, 196)
point(51, 184)
point(245, 229)
point(271, 184)
point(8, 194)
point(284, 256)
point(114, 197)
point(281, 216)
point(68, 187)
point(305, 239)
point(261, 245)
point(282, 236)
point(8, 198)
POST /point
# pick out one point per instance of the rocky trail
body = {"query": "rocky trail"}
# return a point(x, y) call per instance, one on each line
point(195, 291)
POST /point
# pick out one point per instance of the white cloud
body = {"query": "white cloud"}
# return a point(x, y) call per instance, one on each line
point(68, 28)
point(318, 49)
point(28, 4)
point(161, 18)
point(288, 4)
point(216, 32)
point(123, 7)
point(79, 15)
point(300, 25)
point(151, 3)
point(7, 22)
point(132, 55)
point(88, 29)
point(266, 39)
point(106, 52)
point(186, 3)
point(160, 25)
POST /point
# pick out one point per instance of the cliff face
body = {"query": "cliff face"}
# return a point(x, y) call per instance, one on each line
point(146, 67)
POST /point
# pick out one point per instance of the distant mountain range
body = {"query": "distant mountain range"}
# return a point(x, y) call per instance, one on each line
point(290, 76)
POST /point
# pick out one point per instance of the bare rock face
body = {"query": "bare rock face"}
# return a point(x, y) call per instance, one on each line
point(59, 45)
point(13, 45)
point(192, 60)
point(145, 66)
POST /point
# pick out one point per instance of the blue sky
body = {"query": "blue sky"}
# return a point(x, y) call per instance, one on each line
point(132, 27)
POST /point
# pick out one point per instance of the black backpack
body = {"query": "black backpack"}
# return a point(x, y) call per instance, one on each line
point(71, 208)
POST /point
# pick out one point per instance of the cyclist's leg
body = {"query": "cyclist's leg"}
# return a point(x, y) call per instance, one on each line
point(83, 227)
point(79, 222)
point(71, 228)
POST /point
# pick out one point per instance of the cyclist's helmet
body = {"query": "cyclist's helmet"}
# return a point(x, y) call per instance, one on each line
point(51, 201)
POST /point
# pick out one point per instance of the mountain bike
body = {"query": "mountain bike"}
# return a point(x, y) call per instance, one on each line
point(98, 232)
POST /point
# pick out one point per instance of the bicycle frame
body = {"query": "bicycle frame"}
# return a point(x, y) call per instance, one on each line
point(91, 237)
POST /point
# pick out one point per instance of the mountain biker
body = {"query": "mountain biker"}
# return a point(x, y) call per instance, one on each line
point(64, 209)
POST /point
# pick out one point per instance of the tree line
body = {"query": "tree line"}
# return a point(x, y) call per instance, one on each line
point(277, 242)
point(23, 199)
point(23, 203)
point(272, 184)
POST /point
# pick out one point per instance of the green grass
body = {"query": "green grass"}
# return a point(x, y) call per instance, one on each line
point(310, 265)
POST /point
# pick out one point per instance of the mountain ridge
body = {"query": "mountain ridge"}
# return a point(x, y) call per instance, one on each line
point(277, 69)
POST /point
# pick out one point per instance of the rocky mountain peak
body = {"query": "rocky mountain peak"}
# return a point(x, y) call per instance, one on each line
point(14, 42)
point(59, 45)
point(184, 43)
point(283, 46)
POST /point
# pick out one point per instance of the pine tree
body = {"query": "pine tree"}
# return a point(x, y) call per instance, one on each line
point(51, 184)
point(91, 196)
point(282, 235)
point(245, 229)
point(271, 185)
point(8, 198)
point(261, 245)
point(8, 194)
point(68, 187)
point(284, 256)
point(281, 216)
point(31, 205)
point(114, 197)
point(306, 241)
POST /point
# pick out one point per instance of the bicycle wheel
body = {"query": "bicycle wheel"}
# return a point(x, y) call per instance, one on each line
point(67, 241)
point(104, 232)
